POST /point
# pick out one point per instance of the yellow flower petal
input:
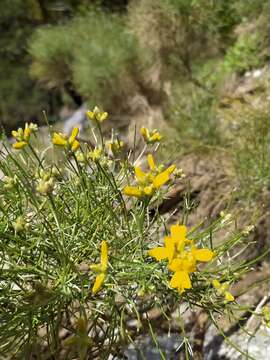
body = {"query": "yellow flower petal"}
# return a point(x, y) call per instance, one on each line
point(104, 256)
point(26, 133)
point(155, 137)
point(179, 233)
point(181, 281)
point(19, 145)
point(171, 169)
point(151, 162)
point(59, 139)
point(98, 283)
point(159, 253)
point(145, 133)
point(73, 135)
point(75, 146)
point(176, 265)
point(229, 296)
point(90, 114)
point(161, 179)
point(148, 190)
point(216, 284)
point(103, 116)
point(140, 175)
point(15, 134)
point(203, 255)
point(189, 263)
point(133, 191)
point(170, 247)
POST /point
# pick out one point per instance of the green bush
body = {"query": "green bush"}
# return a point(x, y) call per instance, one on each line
point(193, 113)
point(244, 54)
point(92, 52)
point(81, 251)
point(250, 152)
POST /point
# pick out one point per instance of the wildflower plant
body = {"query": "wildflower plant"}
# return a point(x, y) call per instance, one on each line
point(85, 250)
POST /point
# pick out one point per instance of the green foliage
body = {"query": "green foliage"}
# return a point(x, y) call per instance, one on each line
point(194, 116)
point(244, 54)
point(182, 32)
point(92, 52)
point(251, 149)
point(53, 219)
point(18, 19)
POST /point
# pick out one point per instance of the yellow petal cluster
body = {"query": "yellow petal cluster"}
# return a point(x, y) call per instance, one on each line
point(22, 136)
point(222, 290)
point(149, 182)
point(70, 143)
point(100, 268)
point(46, 181)
point(182, 256)
point(116, 146)
point(150, 137)
point(97, 115)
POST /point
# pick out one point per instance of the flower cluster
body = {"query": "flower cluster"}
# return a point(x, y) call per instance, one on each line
point(97, 115)
point(22, 136)
point(19, 224)
point(150, 137)
point(149, 182)
point(222, 290)
point(69, 143)
point(10, 182)
point(46, 181)
point(116, 146)
point(182, 255)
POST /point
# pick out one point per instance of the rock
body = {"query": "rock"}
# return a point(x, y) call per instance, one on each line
point(145, 348)
point(257, 346)
point(78, 118)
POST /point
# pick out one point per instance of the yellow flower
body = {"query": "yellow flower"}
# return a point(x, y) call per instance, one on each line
point(150, 181)
point(222, 290)
point(95, 154)
point(150, 137)
point(70, 143)
point(229, 296)
point(101, 268)
point(181, 281)
point(162, 178)
point(97, 115)
point(19, 145)
point(133, 191)
point(23, 136)
point(182, 256)
point(202, 255)
point(151, 162)
point(172, 244)
point(116, 146)
point(164, 252)
point(59, 139)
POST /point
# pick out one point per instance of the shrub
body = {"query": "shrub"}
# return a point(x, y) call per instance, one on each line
point(244, 54)
point(81, 250)
point(92, 52)
point(251, 162)
point(193, 113)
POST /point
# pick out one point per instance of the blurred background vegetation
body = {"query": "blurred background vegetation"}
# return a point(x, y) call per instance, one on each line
point(187, 58)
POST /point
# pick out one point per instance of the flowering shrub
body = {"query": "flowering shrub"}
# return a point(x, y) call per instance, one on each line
point(82, 251)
